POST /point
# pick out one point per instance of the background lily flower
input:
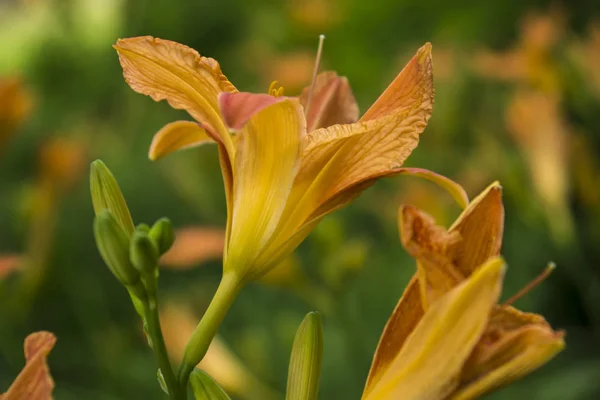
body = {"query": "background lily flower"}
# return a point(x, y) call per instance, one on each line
point(279, 179)
point(512, 344)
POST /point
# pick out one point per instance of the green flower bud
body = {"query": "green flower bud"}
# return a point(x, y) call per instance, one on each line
point(305, 361)
point(205, 388)
point(113, 244)
point(143, 228)
point(143, 252)
point(106, 195)
point(163, 235)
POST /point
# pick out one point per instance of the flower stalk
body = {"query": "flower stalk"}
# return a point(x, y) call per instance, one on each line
point(158, 347)
point(204, 333)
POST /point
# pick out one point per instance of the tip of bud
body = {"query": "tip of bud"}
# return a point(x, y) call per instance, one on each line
point(106, 195)
point(305, 361)
point(163, 234)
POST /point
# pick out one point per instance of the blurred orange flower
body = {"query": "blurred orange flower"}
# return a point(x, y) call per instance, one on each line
point(194, 245)
point(62, 161)
point(536, 123)
point(15, 105)
point(9, 263)
point(34, 382)
point(531, 61)
point(316, 15)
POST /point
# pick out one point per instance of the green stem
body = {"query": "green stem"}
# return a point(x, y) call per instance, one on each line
point(159, 348)
point(204, 333)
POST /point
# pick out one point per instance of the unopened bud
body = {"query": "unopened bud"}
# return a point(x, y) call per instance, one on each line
point(163, 235)
point(143, 252)
point(113, 244)
point(205, 387)
point(305, 361)
point(106, 195)
point(143, 227)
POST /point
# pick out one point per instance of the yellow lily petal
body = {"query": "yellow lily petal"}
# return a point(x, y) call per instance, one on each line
point(341, 161)
point(268, 151)
point(425, 369)
point(385, 135)
point(481, 226)
point(166, 70)
point(34, 381)
point(332, 102)
point(277, 249)
point(515, 343)
point(515, 356)
point(402, 322)
point(227, 172)
point(413, 82)
point(341, 157)
point(176, 136)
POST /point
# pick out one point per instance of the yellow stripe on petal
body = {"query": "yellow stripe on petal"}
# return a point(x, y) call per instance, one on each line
point(176, 136)
point(166, 70)
point(429, 364)
point(268, 151)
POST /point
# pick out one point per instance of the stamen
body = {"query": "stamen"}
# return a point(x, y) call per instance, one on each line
point(272, 91)
point(315, 72)
point(536, 281)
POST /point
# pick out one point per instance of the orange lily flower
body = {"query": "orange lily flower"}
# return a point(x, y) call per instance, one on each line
point(475, 345)
point(282, 171)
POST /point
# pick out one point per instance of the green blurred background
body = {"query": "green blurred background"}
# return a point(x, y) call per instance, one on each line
point(517, 100)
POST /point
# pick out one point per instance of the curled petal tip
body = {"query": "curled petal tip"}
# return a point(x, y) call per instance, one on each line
point(425, 51)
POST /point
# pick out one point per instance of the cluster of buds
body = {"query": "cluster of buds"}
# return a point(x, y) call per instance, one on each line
point(130, 252)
